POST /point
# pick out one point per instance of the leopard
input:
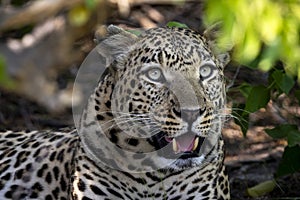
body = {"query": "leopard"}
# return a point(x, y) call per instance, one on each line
point(151, 129)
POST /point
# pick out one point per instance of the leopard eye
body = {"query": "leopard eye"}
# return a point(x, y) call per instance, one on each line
point(155, 74)
point(206, 71)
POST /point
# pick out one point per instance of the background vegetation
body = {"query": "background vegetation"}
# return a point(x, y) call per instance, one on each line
point(264, 34)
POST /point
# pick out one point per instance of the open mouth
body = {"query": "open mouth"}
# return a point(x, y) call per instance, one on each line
point(186, 143)
point(185, 146)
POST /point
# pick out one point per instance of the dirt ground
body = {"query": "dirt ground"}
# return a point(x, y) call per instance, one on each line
point(249, 160)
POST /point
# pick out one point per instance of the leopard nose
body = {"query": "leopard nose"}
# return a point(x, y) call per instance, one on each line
point(191, 115)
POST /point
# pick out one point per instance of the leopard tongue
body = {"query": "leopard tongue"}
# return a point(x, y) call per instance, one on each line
point(184, 143)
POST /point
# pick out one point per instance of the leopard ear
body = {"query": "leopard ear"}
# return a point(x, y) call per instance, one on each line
point(211, 34)
point(116, 46)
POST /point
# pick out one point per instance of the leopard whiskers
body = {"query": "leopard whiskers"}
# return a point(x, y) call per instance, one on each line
point(130, 121)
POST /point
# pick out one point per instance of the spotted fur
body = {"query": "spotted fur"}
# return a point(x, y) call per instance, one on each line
point(162, 88)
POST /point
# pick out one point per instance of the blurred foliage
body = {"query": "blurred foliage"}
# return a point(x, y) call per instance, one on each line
point(262, 188)
point(5, 80)
point(79, 15)
point(265, 35)
point(291, 157)
point(261, 31)
point(176, 24)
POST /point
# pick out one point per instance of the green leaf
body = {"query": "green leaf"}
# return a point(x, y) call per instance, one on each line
point(288, 131)
point(283, 81)
point(245, 89)
point(240, 117)
point(290, 161)
point(244, 123)
point(176, 24)
point(258, 98)
point(293, 138)
point(262, 188)
point(281, 131)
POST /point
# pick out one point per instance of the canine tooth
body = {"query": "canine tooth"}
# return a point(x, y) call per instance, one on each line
point(175, 147)
point(196, 142)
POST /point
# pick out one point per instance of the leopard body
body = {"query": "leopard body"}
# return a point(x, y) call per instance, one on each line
point(150, 130)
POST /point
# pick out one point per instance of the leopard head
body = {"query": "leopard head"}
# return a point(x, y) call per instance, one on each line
point(162, 91)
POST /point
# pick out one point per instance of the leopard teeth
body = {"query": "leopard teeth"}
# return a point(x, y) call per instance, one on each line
point(175, 146)
point(196, 142)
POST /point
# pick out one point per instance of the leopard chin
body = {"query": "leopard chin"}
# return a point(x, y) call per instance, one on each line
point(185, 163)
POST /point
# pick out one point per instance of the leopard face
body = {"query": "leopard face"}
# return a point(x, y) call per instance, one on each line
point(162, 91)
